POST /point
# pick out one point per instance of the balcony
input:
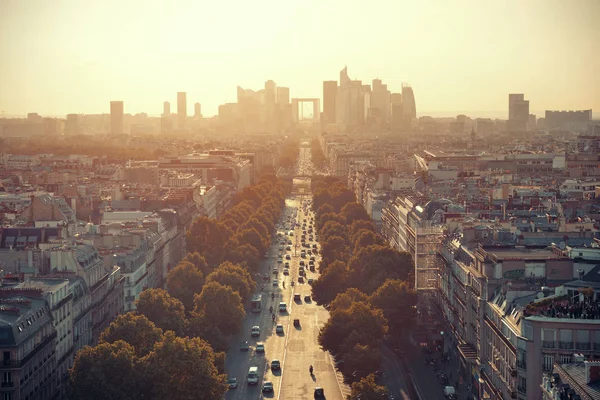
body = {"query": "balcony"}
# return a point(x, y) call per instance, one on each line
point(582, 346)
point(521, 364)
point(548, 344)
point(129, 298)
point(522, 389)
point(513, 371)
point(565, 345)
point(8, 384)
point(596, 346)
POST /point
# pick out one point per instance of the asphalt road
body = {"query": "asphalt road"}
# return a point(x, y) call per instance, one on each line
point(297, 348)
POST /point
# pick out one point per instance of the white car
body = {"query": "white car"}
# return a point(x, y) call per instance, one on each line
point(260, 347)
point(255, 331)
point(275, 282)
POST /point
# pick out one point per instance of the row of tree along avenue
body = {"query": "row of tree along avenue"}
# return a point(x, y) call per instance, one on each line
point(289, 152)
point(364, 283)
point(173, 346)
point(316, 154)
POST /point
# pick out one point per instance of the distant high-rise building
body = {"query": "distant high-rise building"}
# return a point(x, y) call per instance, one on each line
point(197, 110)
point(116, 117)
point(270, 92)
point(568, 119)
point(380, 99)
point(518, 112)
point(329, 95)
point(166, 108)
point(409, 107)
point(396, 113)
point(181, 108)
point(72, 125)
point(283, 95)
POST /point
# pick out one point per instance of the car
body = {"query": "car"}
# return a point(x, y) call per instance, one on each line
point(297, 323)
point(314, 246)
point(288, 257)
point(312, 267)
point(244, 346)
point(275, 271)
point(279, 261)
point(275, 282)
point(267, 386)
point(302, 261)
point(319, 393)
point(286, 271)
point(312, 258)
point(282, 306)
point(275, 365)
point(289, 248)
point(307, 298)
point(310, 281)
point(279, 328)
point(300, 279)
point(232, 383)
point(291, 233)
point(296, 296)
point(260, 347)
point(255, 331)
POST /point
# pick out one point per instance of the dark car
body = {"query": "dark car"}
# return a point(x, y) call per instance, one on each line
point(275, 365)
point(319, 393)
point(296, 322)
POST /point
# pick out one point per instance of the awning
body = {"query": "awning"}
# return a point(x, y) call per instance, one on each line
point(467, 352)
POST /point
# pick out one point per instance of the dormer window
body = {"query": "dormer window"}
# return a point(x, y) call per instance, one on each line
point(20, 329)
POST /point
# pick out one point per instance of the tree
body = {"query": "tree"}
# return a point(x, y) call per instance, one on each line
point(199, 262)
point(359, 225)
point(354, 212)
point(106, 371)
point(244, 254)
point(220, 306)
point(183, 282)
point(165, 311)
point(325, 218)
point(333, 228)
point(360, 360)
point(344, 300)
point(234, 276)
point(334, 249)
point(183, 368)
point(358, 324)
point(340, 196)
point(366, 238)
point(324, 209)
point(397, 301)
point(253, 238)
point(331, 282)
point(206, 236)
point(368, 389)
point(373, 265)
point(136, 330)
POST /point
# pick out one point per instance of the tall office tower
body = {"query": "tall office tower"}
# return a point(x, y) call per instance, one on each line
point(181, 108)
point(343, 103)
point(396, 112)
point(283, 95)
point(408, 103)
point(270, 92)
point(197, 110)
point(116, 117)
point(72, 125)
point(518, 112)
point(329, 95)
point(380, 99)
point(166, 108)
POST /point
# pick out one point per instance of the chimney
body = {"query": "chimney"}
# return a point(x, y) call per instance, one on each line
point(592, 371)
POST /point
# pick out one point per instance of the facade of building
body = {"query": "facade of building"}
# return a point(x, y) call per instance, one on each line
point(518, 112)
point(116, 118)
point(181, 109)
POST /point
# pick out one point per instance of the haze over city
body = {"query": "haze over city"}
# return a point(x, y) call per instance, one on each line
point(461, 56)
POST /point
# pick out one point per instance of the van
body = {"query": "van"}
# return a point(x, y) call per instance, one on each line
point(253, 376)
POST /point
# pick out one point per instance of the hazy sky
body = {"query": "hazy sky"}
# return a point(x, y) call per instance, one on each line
point(74, 56)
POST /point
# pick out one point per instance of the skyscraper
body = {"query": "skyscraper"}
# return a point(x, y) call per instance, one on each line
point(270, 92)
point(396, 114)
point(181, 108)
point(197, 110)
point(518, 112)
point(166, 108)
point(409, 107)
point(116, 117)
point(283, 95)
point(329, 95)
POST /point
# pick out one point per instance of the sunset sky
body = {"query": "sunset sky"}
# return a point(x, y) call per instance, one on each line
point(73, 56)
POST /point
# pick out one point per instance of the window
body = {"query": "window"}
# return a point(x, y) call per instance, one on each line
point(565, 358)
point(7, 377)
point(7, 396)
point(548, 362)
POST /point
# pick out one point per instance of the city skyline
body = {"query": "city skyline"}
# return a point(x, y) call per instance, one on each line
point(487, 48)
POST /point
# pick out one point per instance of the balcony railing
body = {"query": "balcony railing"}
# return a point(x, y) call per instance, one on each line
point(565, 345)
point(582, 346)
point(8, 384)
point(129, 298)
point(548, 344)
point(596, 346)
point(522, 389)
point(521, 364)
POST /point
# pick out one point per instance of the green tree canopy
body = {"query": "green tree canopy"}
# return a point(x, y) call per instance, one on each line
point(135, 329)
point(397, 301)
point(331, 282)
point(334, 249)
point(366, 238)
point(206, 236)
point(333, 228)
point(184, 368)
point(373, 265)
point(234, 276)
point(344, 300)
point(165, 311)
point(245, 255)
point(253, 238)
point(361, 224)
point(183, 282)
point(220, 306)
point(199, 262)
point(107, 371)
point(354, 212)
point(368, 389)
